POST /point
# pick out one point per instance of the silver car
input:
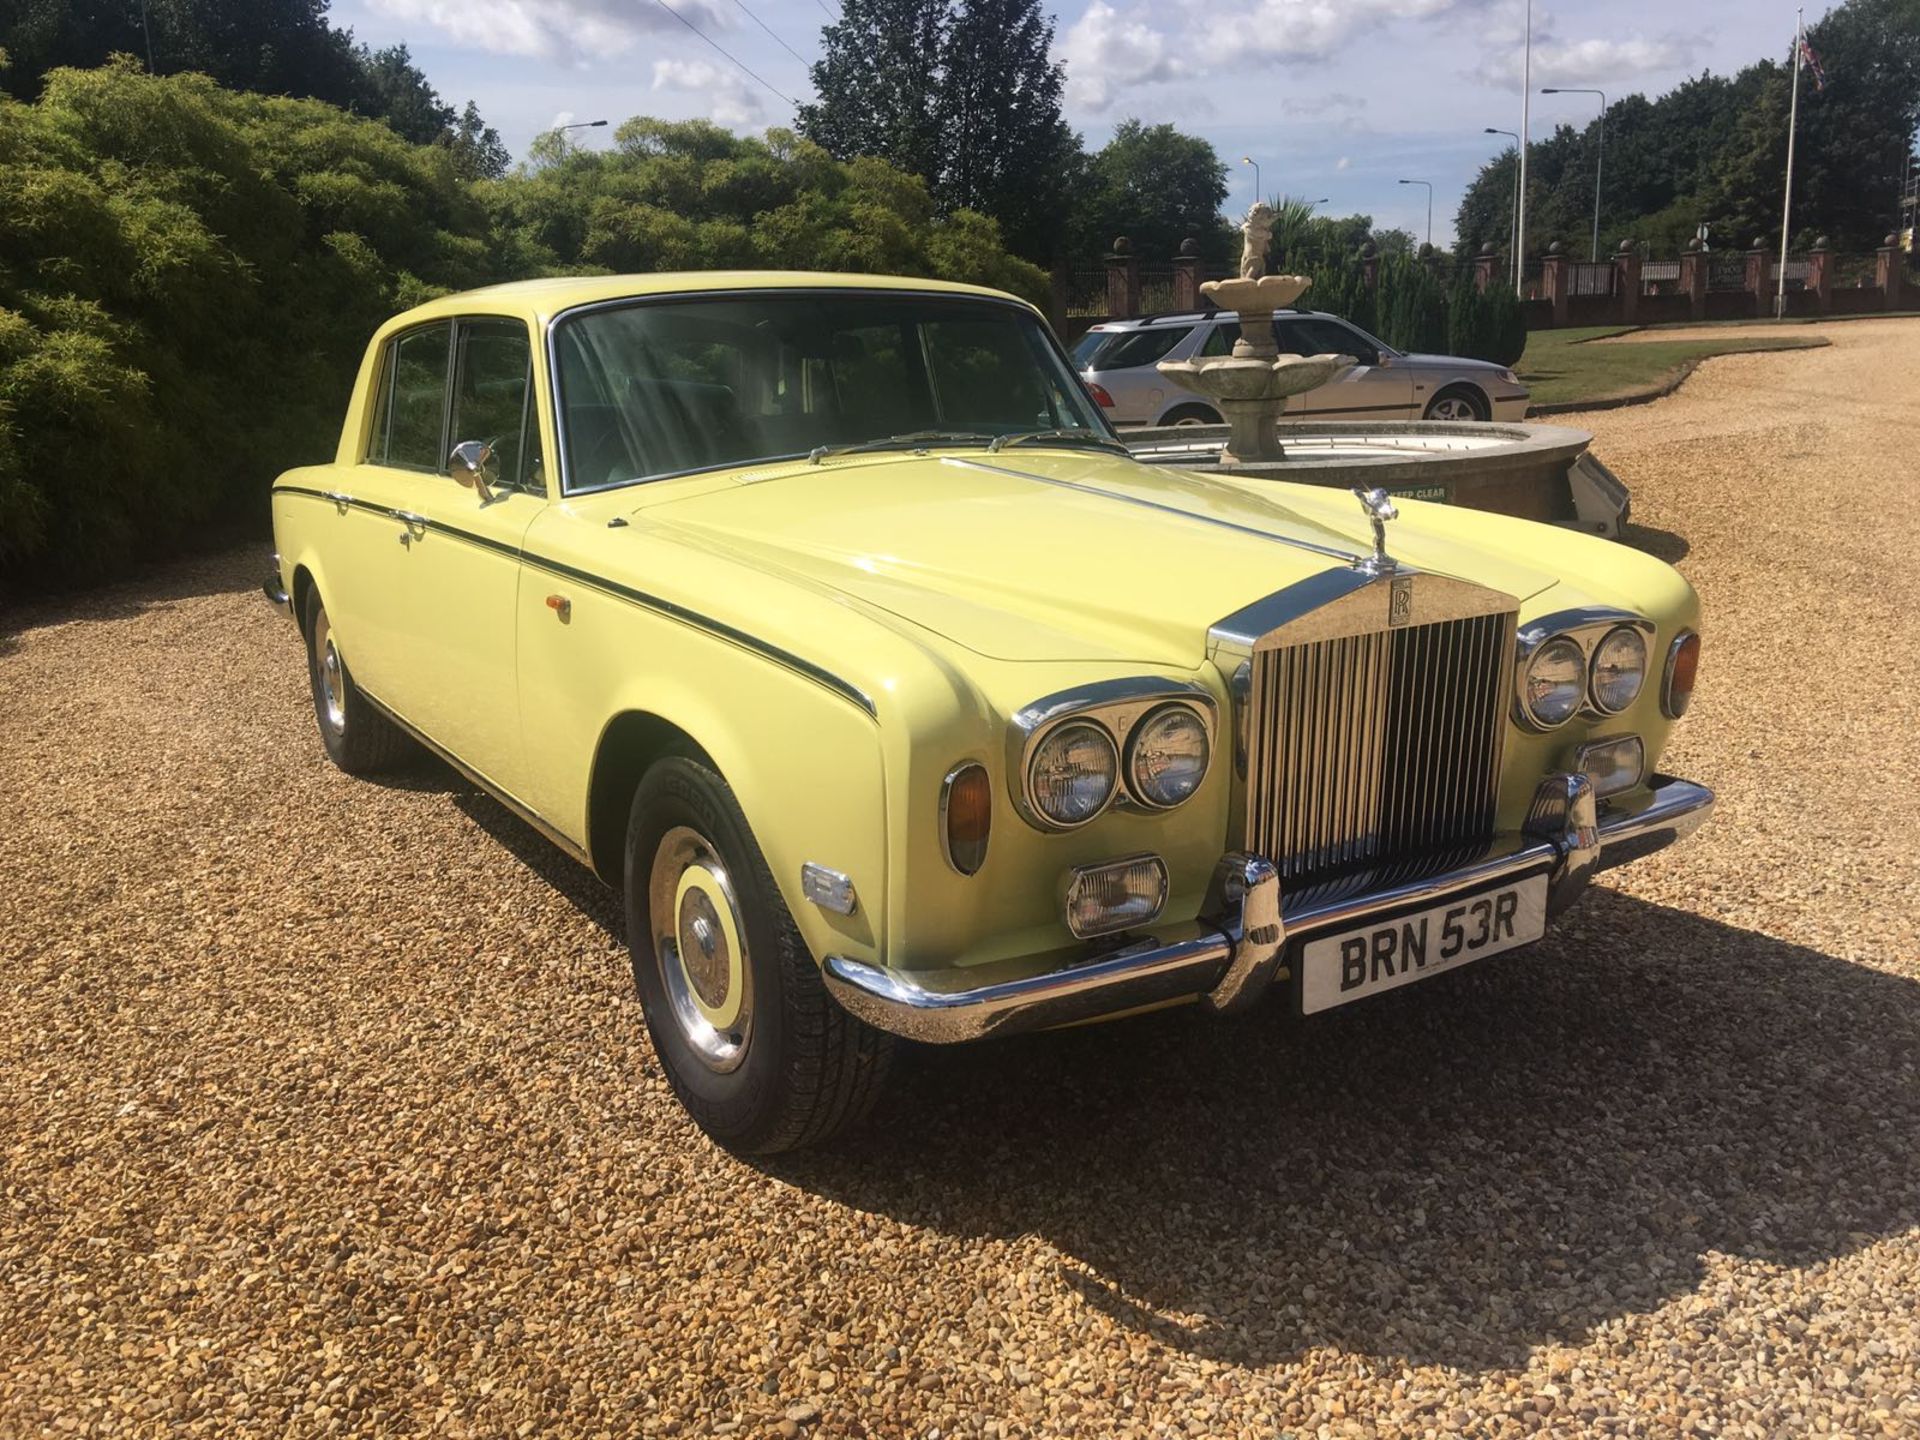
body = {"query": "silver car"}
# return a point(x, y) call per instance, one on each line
point(1117, 361)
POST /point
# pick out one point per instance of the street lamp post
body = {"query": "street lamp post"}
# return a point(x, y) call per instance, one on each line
point(1513, 216)
point(1600, 156)
point(581, 125)
point(1429, 185)
point(1249, 160)
point(1526, 132)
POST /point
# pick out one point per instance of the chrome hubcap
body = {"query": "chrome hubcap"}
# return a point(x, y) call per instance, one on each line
point(699, 945)
point(1453, 410)
point(333, 679)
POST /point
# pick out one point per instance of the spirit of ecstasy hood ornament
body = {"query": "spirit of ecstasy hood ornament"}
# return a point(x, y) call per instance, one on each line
point(1380, 509)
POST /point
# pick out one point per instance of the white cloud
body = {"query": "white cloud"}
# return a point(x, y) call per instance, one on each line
point(1558, 61)
point(730, 100)
point(1587, 62)
point(1109, 51)
point(1344, 162)
point(564, 30)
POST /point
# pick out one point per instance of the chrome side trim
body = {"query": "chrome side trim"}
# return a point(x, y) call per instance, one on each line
point(1227, 958)
point(671, 609)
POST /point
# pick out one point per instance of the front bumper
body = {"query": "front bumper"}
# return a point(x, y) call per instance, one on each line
point(1227, 958)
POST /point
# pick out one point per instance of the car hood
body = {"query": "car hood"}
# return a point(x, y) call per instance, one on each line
point(1048, 555)
point(1456, 362)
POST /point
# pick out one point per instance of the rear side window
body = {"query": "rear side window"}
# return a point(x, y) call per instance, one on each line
point(1128, 349)
point(410, 420)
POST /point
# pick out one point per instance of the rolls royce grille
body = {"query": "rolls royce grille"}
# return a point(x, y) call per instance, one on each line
point(1376, 750)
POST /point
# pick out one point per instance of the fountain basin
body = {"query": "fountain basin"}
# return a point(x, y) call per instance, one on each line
point(1536, 472)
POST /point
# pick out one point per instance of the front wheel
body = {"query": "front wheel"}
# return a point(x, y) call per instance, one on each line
point(758, 1052)
point(1458, 402)
point(1186, 416)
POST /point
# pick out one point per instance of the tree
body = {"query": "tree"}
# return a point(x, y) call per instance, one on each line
point(1712, 151)
point(1157, 186)
point(878, 79)
point(964, 94)
point(999, 105)
point(270, 47)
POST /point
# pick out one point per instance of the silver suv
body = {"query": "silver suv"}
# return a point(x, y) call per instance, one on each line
point(1117, 361)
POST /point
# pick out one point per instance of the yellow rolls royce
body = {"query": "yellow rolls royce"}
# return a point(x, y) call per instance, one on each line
point(825, 617)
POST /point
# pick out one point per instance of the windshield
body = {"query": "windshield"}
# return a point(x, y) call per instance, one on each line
point(662, 388)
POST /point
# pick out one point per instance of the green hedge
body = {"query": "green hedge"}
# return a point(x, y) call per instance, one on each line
point(189, 275)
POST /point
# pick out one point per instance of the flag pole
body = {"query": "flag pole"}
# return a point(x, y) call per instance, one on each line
point(1793, 125)
point(1526, 116)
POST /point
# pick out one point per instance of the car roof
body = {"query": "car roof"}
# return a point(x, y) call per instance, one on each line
point(1192, 317)
point(540, 300)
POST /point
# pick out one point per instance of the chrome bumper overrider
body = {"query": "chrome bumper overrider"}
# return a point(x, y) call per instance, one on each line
point(1228, 957)
point(275, 589)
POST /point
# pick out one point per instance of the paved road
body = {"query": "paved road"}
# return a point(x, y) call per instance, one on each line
point(325, 1107)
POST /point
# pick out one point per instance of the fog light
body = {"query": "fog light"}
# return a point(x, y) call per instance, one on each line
point(1612, 765)
point(1115, 896)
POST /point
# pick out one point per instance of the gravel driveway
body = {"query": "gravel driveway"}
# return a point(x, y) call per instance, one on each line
point(326, 1106)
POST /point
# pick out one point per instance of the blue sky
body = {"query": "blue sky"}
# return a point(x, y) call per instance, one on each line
point(1334, 98)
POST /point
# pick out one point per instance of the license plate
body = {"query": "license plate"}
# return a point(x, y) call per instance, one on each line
point(1337, 969)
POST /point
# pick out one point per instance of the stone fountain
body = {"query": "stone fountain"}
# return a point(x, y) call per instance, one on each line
point(1250, 387)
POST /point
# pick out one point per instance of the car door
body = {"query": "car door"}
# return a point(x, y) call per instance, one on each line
point(1378, 388)
point(446, 662)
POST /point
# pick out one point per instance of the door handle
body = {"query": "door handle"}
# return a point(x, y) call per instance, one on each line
point(342, 500)
point(413, 525)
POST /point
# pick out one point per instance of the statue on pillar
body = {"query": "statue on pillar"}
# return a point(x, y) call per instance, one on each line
point(1258, 232)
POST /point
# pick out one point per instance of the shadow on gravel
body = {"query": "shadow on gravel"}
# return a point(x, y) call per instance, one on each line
point(1448, 1174)
point(166, 586)
point(1661, 544)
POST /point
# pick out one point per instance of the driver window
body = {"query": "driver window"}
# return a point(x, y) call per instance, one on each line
point(493, 398)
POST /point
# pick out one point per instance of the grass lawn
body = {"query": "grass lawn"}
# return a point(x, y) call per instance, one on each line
point(1560, 367)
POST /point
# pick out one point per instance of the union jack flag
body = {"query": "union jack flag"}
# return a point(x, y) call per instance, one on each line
point(1812, 62)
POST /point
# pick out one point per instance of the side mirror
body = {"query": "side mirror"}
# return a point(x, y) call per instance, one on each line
point(474, 465)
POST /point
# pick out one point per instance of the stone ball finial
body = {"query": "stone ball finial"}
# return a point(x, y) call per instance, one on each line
point(1626, 245)
point(1487, 248)
point(1556, 248)
point(1891, 242)
point(1694, 243)
point(1759, 243)
point(1369, 250)
point(1122, 245)
point(1189, 247)
point(1821, 242)
point(1426, 252)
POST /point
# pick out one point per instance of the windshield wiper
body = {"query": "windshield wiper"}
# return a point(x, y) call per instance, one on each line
point(1079, 436)
point(912, 437)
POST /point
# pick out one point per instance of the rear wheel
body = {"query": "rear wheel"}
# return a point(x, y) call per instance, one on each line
point(359, 739)
point(758, 1052)
point(1186, 415)
point(1459, 402)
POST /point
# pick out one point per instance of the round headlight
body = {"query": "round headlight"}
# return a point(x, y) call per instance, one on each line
point(1073, 772)
point(1167, 756)
point(1619, 669)
point(1556, 679)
